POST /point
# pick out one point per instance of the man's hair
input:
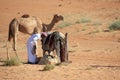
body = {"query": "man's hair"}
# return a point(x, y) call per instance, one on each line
point(36, 30)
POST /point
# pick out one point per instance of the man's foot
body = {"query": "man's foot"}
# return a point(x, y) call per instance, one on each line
point(30, 62)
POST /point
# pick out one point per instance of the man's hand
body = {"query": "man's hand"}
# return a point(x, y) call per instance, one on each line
point(34, 50)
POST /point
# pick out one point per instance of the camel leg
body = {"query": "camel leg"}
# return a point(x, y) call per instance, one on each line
point(14, 42)
point(57, 49)
point(14, 46)
point(8, 56)
point(15, 39)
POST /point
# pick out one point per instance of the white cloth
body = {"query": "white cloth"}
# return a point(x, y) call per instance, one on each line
point(30, 43)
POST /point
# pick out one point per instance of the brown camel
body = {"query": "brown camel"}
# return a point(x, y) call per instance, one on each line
point(27, 24)
point(55, 41)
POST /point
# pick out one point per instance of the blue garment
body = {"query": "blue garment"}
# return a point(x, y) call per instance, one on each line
point(30, 43)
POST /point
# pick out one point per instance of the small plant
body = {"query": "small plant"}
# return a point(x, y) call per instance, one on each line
point(115, 25)
point(85, 20)
point(78, 21)
point(48, 67)
point(97, 23)
point(64, 24)
point(12, 62)
point(63, 63)
point(83, 29)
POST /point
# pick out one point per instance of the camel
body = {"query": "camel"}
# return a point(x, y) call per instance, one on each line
point(55, 41)
point(27, 24)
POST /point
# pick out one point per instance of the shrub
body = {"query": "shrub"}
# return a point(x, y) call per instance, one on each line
point(48, 67)
point(64, 24)
point(12, 62)
point(85, 20)
point(97, 23)
point(71, 19)
point(63, 63)
point(82, 20)
point(78, 21)
point(115, 25)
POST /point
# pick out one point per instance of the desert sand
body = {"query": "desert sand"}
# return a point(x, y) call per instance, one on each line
point(94, 52)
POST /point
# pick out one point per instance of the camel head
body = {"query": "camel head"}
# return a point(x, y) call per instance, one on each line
point(58, 18)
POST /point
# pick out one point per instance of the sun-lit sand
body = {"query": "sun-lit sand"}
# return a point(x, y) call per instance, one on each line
point(94, 51)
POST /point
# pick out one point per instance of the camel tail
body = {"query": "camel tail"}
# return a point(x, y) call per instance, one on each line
point(10, 33)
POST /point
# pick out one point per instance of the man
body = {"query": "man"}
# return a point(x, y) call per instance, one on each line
point(32, 46)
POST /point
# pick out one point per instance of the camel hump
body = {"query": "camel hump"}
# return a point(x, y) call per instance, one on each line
point(25, 16)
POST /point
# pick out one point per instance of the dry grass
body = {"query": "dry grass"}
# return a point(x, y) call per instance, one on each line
point(12, 62)
point(115, 25)
point(48, 67)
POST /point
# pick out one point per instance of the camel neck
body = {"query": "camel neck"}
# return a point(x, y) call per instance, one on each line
point(51, 25)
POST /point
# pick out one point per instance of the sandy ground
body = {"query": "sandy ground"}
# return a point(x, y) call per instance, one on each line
point(95, 54)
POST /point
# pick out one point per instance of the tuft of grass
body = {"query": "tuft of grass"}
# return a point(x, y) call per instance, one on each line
point(12, 62)
point(71, 19)
point(48, 67)
point(78, 21)
point(85, 20)
point(97, 23)
point(83, 29)
point(82, 20)
point(63, 63)
point(64, 24)
point(115, 25)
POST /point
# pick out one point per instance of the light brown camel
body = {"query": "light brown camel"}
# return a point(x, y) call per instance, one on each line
point(27, 24)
